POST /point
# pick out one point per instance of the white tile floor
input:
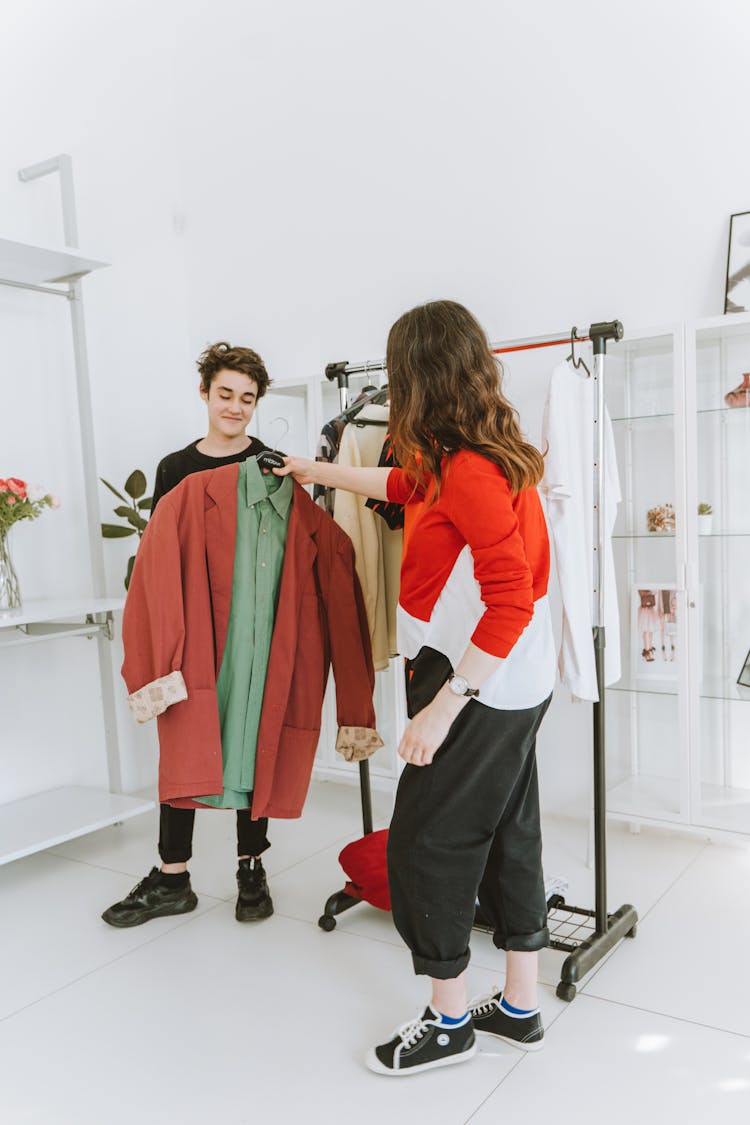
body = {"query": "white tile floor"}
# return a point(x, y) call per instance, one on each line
point(198, 1018)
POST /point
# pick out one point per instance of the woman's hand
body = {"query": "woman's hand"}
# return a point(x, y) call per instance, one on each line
point(365, 482)
point(428, 730)
point(301, 468)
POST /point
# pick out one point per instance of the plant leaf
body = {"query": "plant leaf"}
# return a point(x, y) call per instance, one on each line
point(135, 485)
point(129, 571)
point(122, 510)
point(146, 504)
point(112, 489)
point(114, 531)
point(136, 521)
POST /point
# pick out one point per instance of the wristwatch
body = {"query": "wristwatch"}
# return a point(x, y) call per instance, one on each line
point(460, 686)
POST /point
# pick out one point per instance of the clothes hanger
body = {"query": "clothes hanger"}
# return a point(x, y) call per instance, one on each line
point(272, 458)
point(377, 396)
point(577, 363)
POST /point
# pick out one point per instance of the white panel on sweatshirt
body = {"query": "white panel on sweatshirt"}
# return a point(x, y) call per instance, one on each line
point(523, 679)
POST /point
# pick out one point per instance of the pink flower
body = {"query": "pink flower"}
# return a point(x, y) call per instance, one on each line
point(3, 486)
point(36, 492)
point(18, 487)
point(10, 501)
point(54, 501)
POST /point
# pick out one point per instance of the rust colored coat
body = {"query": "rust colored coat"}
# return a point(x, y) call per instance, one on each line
point(175, 626)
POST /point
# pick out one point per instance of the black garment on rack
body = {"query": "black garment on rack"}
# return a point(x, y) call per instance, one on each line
point(328, 451)
point(330, 440)
point(393, 514)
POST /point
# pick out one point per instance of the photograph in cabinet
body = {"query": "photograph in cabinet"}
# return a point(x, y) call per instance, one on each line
point(655, 631)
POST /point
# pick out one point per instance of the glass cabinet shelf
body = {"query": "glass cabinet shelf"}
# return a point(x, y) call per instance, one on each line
point(718, 687)
point(645, 795)
point(641, 417)
point(653, 535)
point(647, 687)
point(712, 687)
point(741, 411)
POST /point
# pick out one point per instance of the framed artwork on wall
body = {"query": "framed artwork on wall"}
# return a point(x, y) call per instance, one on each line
point(655, 646)
point(737, 292)
point(744, 677)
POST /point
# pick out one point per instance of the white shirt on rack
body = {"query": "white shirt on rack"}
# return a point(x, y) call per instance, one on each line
point(568, 432)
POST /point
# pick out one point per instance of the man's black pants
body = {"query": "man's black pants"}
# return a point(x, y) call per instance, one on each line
point(176, 834)
point(464, 826)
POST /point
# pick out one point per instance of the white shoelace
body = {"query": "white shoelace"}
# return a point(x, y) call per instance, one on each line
point(410, 1033)
point(484, 1004)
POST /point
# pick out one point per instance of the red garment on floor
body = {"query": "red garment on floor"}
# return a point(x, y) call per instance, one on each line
point(364, 861)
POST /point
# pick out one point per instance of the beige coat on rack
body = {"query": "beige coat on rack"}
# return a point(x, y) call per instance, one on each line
point(377, 548)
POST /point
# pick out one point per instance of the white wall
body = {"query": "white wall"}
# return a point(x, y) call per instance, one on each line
point(294, 175)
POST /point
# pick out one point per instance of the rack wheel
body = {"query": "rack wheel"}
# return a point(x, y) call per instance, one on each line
point(632, 931)
point(327, 923)
point(555, 900)
point(565, 991)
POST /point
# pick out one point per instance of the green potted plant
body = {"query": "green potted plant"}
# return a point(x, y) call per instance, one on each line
point(134, 503)
point(705, 518)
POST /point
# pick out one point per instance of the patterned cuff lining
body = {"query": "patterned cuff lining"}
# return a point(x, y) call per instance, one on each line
point(357, 743)
point(154, 698)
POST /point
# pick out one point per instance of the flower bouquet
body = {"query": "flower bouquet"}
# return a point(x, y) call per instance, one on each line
point(661, 519)
point(18, 501)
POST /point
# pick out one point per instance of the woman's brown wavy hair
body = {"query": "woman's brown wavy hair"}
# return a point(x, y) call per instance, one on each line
point(445, 388)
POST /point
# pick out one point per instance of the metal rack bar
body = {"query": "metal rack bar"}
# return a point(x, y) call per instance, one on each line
point(36, 288)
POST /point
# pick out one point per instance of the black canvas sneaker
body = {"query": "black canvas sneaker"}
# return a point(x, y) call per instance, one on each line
point(423, 1044)
point(489, 1018)
point(254, 901)
point(151, 899)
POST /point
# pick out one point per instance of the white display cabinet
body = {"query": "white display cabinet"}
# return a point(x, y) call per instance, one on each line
point(678, 737)
point(647, 764)
point(718, 353)
point(290, 418)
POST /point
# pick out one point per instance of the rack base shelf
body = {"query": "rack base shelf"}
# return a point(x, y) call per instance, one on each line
point(50, 818)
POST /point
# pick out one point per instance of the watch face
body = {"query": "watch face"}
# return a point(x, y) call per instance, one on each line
point(458, 685)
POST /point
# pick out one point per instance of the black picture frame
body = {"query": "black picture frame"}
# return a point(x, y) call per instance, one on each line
point(737, 286)
point(744, 677)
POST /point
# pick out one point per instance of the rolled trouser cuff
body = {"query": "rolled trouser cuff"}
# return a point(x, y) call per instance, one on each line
point(522, 943)
point(441, 970)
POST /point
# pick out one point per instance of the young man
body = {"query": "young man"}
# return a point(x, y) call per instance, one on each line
point(232, 382)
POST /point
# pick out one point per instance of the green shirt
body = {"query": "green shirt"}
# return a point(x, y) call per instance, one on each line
point(263, 504)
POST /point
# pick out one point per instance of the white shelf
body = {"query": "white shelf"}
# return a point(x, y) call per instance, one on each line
point(57, 609)
point(47, 620)
point(25, 264)
point(47, 819)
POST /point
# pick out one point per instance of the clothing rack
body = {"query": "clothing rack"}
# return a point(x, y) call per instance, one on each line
point(586, 935)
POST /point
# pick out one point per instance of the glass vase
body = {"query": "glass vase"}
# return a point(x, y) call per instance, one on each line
point(10, 590)
point(740, 396)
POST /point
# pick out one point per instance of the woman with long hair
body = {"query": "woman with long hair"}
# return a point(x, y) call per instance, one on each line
point(474, 626)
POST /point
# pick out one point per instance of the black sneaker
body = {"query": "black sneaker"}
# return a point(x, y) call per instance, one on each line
point(423, 1044)
point(489, 1018)
point(151, 898)
point(254, 901)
